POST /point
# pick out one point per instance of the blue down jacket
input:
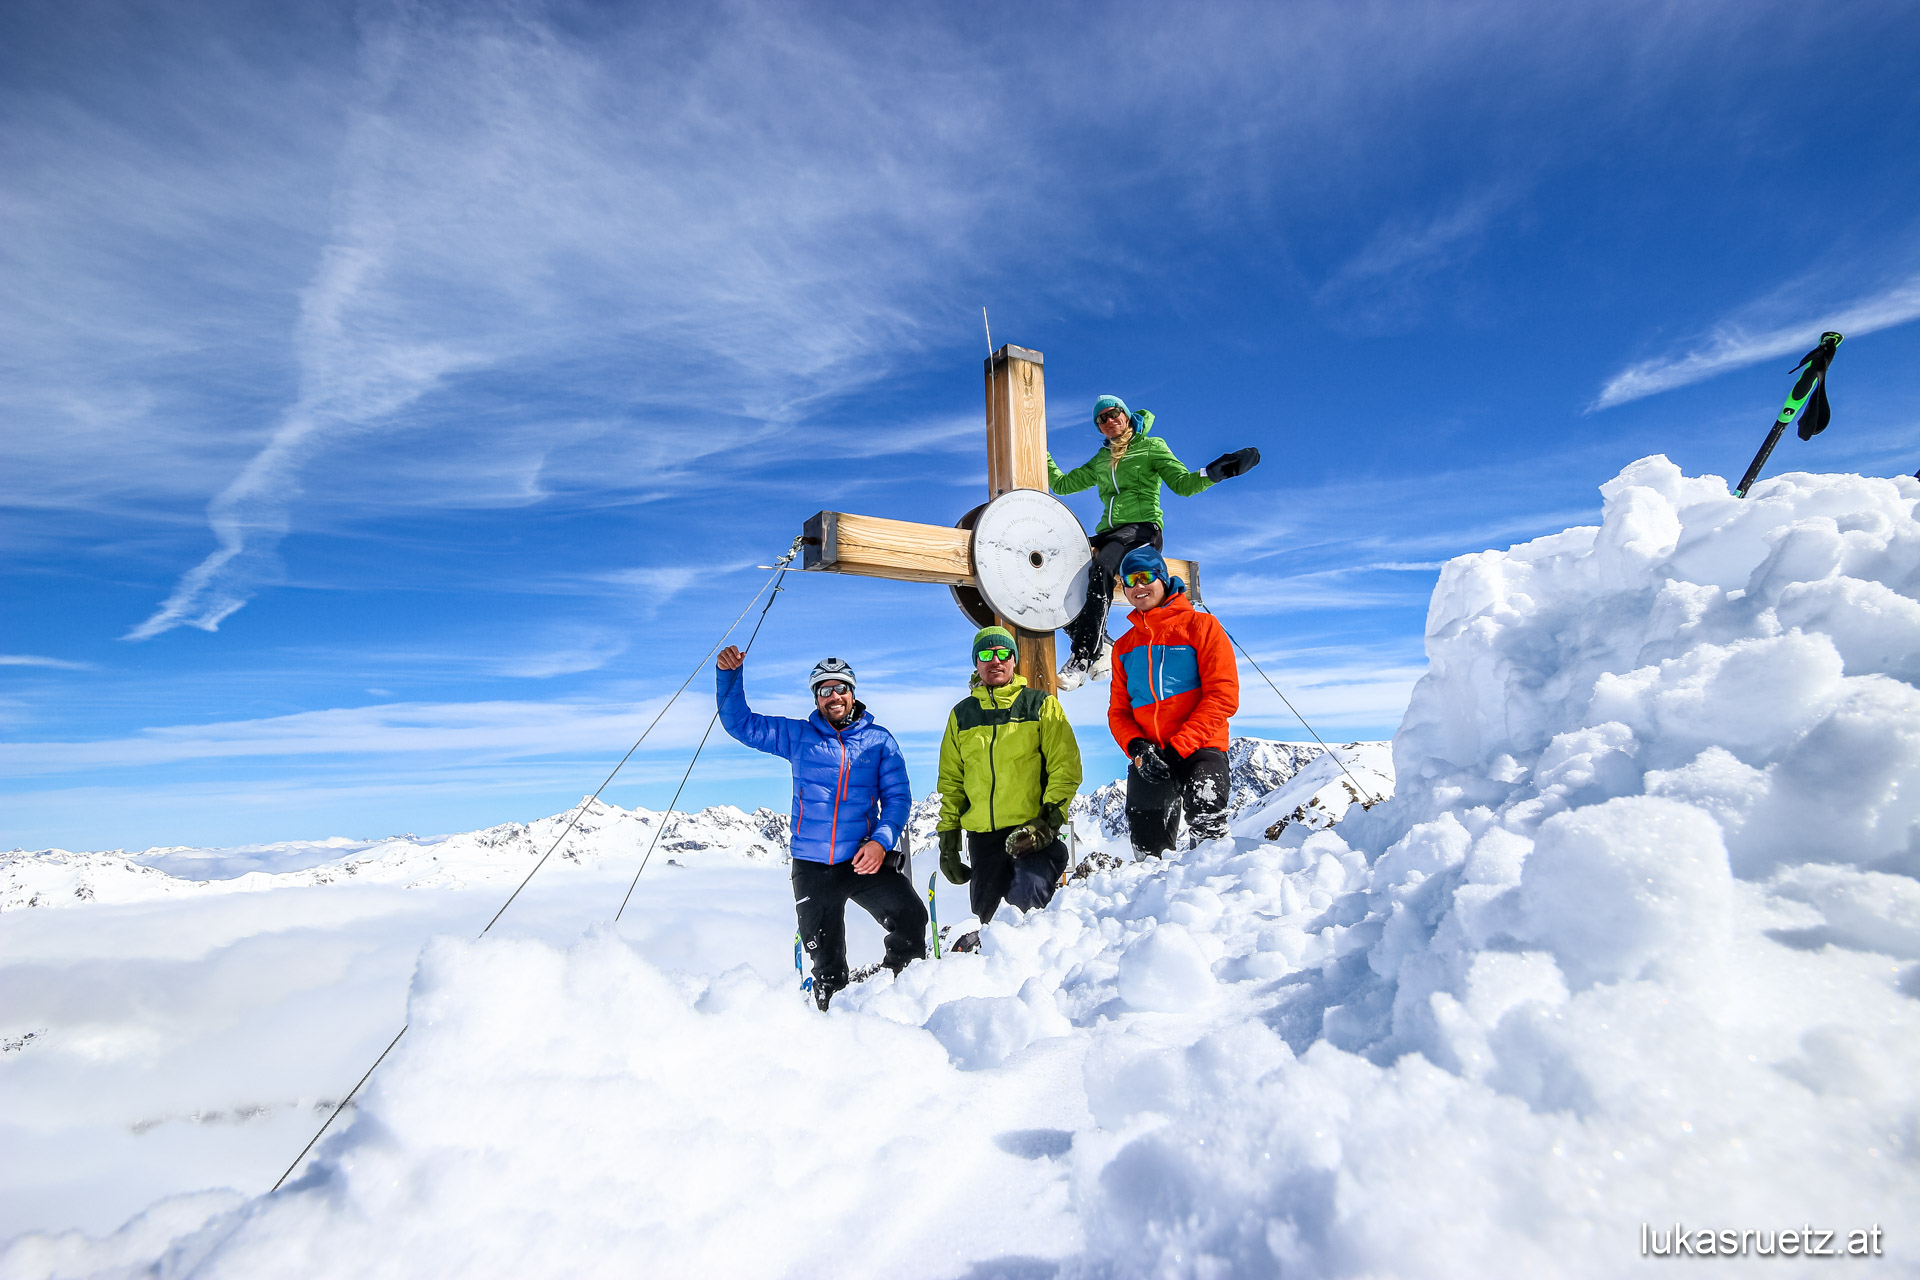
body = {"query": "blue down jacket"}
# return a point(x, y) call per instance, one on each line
point(849, 785)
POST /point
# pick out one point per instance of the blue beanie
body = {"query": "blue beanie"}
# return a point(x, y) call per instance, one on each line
point(1147, 556)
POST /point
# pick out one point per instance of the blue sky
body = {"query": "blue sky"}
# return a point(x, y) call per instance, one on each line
point(399, 397)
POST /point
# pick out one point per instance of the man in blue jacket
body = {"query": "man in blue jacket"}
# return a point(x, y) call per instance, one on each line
point(851, 800)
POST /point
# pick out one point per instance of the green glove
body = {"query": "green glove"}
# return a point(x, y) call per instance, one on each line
point(1039, 833)
point(956, 871)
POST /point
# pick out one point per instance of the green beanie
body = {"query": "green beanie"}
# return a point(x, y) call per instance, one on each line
point(991, 635)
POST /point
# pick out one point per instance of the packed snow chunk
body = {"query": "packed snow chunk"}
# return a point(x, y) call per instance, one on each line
point(1716, 781)
point(1871, 625)
point(1634, 886)
point(1751, 697)
point(1132, 1074)
point(1167, 972)
point(984, 1031)
point(1497, 981)
point(1846, 791)
point(1864, 910)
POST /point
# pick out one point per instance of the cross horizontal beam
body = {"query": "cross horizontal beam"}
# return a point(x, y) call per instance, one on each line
point(873, 547)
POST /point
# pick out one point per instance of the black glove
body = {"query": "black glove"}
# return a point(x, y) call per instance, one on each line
point(1229, 465)
point(1039, 833)
point(1147, 759)
point(956, 871)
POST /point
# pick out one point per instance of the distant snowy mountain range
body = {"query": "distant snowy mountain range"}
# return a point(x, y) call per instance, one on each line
point(1261, 774)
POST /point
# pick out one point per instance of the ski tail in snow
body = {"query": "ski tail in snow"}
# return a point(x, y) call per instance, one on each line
point(933, 917)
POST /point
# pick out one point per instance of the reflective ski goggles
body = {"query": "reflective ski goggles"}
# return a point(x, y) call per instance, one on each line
point(999, 653)
point(827, 688)
point(1119, 415)
point(1139, 578)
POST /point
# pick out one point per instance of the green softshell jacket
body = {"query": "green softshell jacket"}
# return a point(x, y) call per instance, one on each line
point(1006, 752)
point(1130, 491)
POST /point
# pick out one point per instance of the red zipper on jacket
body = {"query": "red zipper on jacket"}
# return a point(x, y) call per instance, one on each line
point(1152, 691)
point(839, 794)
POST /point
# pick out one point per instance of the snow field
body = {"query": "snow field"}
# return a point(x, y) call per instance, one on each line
point(197, 1040)
point(1633, 943)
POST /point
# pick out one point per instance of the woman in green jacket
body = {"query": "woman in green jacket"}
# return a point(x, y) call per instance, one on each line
point(1128, 469)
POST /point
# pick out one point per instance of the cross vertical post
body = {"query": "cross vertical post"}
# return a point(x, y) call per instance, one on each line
point(1017, 459)
point(907, 551)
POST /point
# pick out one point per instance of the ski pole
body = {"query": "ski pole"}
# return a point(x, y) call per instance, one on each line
point(806, 983)
point(933, 917)
point(1066, 876)
point(1811, 386)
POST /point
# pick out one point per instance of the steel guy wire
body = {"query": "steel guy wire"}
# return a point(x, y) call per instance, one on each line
point(714, 719)
point(771, 582)
point(1296, 712)
point(778, 567)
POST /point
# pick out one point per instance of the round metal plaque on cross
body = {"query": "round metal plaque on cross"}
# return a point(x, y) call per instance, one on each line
point(1030, 557)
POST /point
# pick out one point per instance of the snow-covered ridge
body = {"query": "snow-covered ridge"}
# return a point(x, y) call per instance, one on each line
point(503, 854)
point(1285, 781)
point(1634, 943)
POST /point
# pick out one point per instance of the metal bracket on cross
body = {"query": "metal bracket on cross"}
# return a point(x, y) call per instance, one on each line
point(1030, 559)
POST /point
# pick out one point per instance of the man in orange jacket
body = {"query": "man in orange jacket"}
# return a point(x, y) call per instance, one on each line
point(1175, 686)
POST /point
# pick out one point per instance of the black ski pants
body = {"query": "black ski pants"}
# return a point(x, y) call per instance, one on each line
point(1027, 883)
point(1199, 787)
point(820, 897)
point(1109, 549)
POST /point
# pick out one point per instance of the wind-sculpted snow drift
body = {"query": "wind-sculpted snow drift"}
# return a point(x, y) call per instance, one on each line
point(1634, 943)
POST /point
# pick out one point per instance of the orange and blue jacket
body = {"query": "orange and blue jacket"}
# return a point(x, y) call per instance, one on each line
point(1174, 679)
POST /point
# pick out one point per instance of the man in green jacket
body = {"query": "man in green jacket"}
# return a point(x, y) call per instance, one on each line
point(1128, 470)
point(1009, 766)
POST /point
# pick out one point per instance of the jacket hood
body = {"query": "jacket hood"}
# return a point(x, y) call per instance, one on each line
point(1142, 425)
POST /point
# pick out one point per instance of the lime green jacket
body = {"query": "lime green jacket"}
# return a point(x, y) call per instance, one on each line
point(1006, 752)
point(1130, 489)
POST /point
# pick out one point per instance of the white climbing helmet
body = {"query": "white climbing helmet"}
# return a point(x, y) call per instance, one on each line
point(829, 669)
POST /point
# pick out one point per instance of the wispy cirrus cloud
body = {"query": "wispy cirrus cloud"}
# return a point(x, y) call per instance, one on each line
point(513, 206)
point(1747, 339)
point(34, 660)
point(581, 649)
point(1384, 286)
point(657, 583)
point(473, 732)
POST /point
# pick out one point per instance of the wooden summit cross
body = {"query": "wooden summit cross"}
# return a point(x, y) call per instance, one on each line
point(872, 547)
